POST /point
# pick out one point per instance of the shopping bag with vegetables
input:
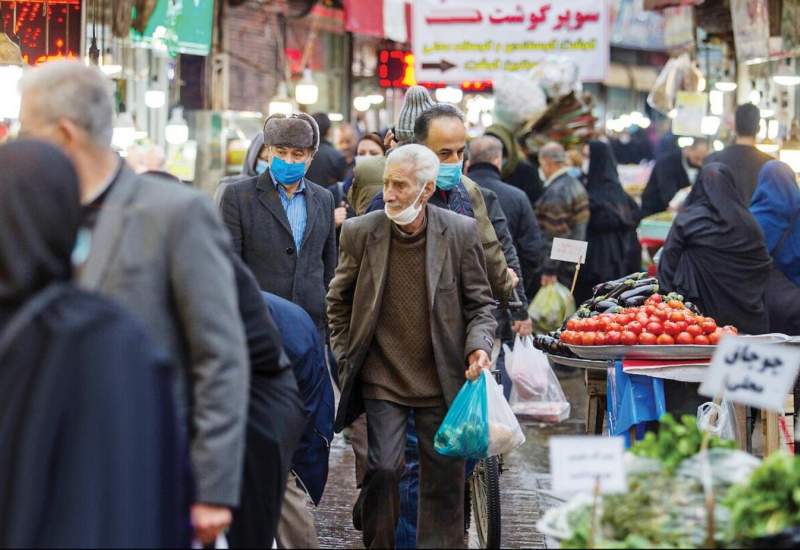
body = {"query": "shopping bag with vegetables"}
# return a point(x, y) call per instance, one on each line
point(552, 304)
point(480, 422)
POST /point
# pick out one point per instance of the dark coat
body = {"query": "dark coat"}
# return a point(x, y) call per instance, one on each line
point(262, 236)
point(459, 297)
point(667, 178)
point(745, 161)
point(521, 220)
point(328, 167)
point(307, 355)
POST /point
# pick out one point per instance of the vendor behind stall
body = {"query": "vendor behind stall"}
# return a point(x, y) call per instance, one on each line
point(671, 173)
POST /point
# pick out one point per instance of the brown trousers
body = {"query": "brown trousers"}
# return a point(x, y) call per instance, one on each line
point(440, 522)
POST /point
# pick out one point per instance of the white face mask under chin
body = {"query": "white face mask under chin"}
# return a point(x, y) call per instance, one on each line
point(409, 214)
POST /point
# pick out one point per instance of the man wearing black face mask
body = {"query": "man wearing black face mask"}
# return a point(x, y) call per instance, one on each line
point(671, 174)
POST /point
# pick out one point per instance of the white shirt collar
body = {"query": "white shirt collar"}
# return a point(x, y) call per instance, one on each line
point(556, 175)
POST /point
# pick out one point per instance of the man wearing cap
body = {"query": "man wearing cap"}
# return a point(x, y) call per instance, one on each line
point(281, 223)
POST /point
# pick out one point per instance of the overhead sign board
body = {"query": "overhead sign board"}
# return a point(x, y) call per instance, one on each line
point(458, 40)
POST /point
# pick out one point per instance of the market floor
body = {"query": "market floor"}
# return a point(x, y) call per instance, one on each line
point(526, 472)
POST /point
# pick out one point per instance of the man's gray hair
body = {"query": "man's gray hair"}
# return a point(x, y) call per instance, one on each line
point(554, 152)
point(485, 149)
point(73, 91)
point(424, 162)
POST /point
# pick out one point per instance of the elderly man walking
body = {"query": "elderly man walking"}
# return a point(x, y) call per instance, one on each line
point(409, 309)
point(160, 250)
point(282, 223)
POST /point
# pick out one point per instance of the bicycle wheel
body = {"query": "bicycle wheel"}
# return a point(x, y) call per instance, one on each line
point(485, 489)
point(467, 506)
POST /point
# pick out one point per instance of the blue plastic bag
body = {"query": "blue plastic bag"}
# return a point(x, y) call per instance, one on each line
point(464, 433)
point(632, 400)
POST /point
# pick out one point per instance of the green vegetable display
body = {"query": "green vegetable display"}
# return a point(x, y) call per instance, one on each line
point(769, 502)
point(676, 441)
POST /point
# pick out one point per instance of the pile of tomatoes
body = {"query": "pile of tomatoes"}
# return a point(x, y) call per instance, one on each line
point(657, 322)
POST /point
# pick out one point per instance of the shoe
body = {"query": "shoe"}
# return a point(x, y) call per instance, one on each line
point(358, 508)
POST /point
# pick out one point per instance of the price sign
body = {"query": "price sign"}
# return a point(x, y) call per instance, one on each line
point(567, 250)
point(578, 464)
point(758, 375)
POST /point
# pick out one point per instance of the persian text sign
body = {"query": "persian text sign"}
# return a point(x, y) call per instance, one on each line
point(578, 464)
point(568, 250)
point(758, 375)
point(458, 40)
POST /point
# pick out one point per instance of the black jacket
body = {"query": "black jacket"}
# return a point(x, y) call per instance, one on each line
point(328, 167)
point(521, 220)
point(745, 161)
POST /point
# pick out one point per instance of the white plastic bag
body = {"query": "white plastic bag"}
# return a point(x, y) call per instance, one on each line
point(505, 433)
point(719, 420)
point(517, 101)
point(527, 367)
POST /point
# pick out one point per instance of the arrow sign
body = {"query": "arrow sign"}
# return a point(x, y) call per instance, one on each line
point(442, 65)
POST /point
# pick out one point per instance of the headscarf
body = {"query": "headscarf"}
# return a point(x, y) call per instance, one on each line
point(715, 253)
point(40, 214)
point(776, 204)
point(605, 191)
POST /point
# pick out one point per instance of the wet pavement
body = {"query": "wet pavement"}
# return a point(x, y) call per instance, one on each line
point(522, 504)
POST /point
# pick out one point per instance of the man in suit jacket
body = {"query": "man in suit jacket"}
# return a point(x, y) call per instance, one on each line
point(160, 250)
point(410, 308)
point(282, 224)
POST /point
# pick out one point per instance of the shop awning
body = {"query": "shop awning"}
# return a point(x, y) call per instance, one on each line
point(641, 79)
point(379, 18)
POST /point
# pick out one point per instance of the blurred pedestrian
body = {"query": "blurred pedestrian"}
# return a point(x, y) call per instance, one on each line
point(89, 449)
point(776, 208)
point(256, 162)
point(328, 166)
point(614, 249)
point(562, 211)
point(516, 169)
point(159, 250)
point(346, 137)
point(392, 363)
point(282, 224)
point(671, 173)
point(742, 157)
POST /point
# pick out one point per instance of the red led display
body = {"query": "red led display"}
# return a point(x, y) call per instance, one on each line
point(38, 40)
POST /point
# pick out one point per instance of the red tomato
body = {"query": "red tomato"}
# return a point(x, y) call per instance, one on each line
point(728, 329)
point(648, 339)
point(684, 339)
point(604, 322)
point(655, 328)
point(662, 314)
point(642, 318)
point(713, 338)
point(573, 324)
point(671, 328)
point(614, 327)
point(682, 326)
point(629, 338)
point(709, 325)
point(666, 340)
point(581, 325)
point(600, 339)
point(676, 304)
point(651, 309)
point(695, 330)
point(592, 325)
point(677, 316)
point(701, 340)
point(655, 299)
point(613, 338)
point(587, 338)
point(634, 327)
point(691, 319)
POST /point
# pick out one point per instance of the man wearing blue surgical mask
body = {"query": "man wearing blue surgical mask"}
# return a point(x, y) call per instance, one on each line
point(281, 223)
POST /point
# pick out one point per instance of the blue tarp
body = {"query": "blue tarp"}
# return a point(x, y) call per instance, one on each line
point(633, 400)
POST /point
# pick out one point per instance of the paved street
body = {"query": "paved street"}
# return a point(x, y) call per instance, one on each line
point(525, 473)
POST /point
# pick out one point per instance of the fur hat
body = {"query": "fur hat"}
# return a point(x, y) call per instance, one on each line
point(297, 130)
point(416, 102)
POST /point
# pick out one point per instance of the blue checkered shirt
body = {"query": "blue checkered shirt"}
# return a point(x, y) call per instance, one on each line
point(295, 208)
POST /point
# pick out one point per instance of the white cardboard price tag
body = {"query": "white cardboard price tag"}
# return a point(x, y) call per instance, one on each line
point(758, 375)
point(567, 250)
point(578, 463)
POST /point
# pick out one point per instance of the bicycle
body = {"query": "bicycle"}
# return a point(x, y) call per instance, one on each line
point(482, 496)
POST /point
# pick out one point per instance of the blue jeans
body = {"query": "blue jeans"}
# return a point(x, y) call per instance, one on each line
point(406, 531)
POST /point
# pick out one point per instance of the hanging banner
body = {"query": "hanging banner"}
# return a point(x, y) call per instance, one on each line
point(458, 40)
point(750, 29)
point(690, 109)
point(179, 26)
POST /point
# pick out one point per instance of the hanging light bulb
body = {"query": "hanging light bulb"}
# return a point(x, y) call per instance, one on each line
point(754, 97)
point(785, 75)
point(124, 132)
point(726, 83)
point(716, 101)
point(177, 131)
point(709, 125)
point(361, 104)
point(280, 104)
point(306, 92)
point(9, 94)
point(155, 99)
